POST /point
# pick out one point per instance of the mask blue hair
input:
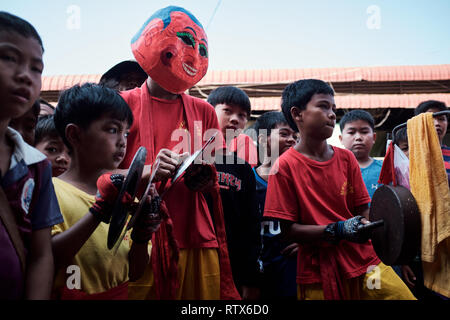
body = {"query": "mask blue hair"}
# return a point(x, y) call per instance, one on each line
point(164, 15)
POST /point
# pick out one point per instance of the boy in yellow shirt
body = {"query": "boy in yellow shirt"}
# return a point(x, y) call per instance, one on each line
point(93, 122)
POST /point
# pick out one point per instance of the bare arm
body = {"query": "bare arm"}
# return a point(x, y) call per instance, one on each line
point(295, 232)
point(67, 244)
point(300, 233)
point(40, 267)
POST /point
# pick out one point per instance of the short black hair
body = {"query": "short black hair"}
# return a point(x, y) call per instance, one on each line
point(45, 127)
point(356, 115)
point(12, 23)
point(82, 105)
point(232, 96)
point(429, 104)
point(299, 93)
point(401, 135)
point(268, 121)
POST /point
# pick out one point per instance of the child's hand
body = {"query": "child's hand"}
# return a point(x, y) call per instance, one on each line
point(408, 276)
point(349, 230)
point(169, 162)
point(291, 250)
point(108, 188)
point(199, 177)
point(149, 220)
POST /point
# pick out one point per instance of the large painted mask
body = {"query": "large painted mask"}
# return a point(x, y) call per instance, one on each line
point(172, 48)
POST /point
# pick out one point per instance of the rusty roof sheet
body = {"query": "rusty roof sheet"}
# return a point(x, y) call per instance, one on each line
point(354, 74)
point(58, 83)
point(361, 101)
point(391, 73)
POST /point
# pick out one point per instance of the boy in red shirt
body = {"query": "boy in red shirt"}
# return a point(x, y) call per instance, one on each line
point(318, 193)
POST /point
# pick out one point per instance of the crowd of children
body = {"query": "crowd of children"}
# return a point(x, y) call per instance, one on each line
point(271, 219)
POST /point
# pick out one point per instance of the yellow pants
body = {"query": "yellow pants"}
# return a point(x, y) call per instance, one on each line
point(382, 283)
point(198, 276)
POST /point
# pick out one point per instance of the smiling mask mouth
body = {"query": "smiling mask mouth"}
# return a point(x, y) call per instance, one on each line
point(191, 71)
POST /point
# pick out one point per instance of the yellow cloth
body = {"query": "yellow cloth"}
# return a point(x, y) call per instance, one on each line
point(100, 269)
point(429, 186)
point(198, 274)
point(364, 287)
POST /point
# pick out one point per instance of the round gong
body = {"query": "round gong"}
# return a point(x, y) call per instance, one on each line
point(398, 241)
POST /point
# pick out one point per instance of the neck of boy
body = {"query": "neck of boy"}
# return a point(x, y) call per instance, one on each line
point(157, 91)
point(82, 176)
point(317, 150)
point(3, 128)
point(264, 169)
point(364, 163)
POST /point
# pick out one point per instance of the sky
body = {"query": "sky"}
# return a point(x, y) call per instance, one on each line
point(90, 36)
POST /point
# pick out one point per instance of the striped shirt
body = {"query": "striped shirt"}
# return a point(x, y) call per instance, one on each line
point(446, 154)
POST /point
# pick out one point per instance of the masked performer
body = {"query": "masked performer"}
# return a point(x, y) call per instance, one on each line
point(172, 48)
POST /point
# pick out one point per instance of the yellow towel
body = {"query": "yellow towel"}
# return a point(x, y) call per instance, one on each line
point(429, 185)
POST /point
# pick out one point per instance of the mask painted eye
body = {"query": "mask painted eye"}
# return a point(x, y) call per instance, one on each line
point(203, 51)
point(187, 38)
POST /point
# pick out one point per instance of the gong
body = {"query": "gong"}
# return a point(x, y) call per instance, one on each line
point(397, 239)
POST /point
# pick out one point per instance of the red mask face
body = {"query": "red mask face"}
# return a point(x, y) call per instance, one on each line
point(172, 49)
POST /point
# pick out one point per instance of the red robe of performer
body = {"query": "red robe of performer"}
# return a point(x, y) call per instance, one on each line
point(172, 48)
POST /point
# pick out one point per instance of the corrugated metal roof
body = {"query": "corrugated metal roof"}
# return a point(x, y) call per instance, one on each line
point(355, 74)
point(389, 87)
point(390, 73)
point(59, 83)
point(361, 101)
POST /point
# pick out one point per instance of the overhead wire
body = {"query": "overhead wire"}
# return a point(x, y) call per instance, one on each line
point(213, 14)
